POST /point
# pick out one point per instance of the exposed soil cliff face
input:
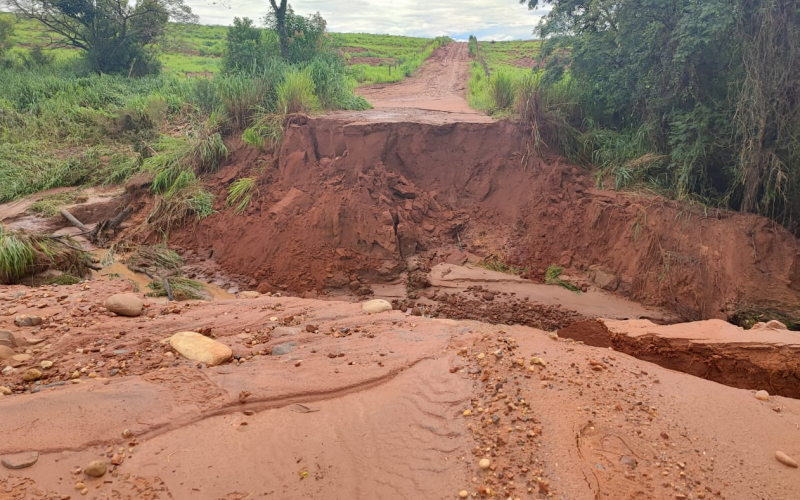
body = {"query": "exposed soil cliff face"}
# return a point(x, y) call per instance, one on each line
point(342, 201)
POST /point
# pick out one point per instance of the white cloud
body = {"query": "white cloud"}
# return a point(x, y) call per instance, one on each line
point(488, 19)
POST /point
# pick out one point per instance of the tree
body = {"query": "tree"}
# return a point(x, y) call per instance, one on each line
point(279, 14)
point(113, 34)
point(304, 37)
point(245, 47)
point(713, 82)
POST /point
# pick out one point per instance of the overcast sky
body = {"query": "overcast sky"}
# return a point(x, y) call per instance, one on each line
point(486, 19)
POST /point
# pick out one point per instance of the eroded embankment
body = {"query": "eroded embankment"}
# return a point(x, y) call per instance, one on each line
point(762, 358)
point(344, 202)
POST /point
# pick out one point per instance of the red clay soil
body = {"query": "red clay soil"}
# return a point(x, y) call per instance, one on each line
point(350, 405)
point(345, 201)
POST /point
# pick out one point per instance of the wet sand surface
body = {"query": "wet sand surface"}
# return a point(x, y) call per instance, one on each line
point(375, 406)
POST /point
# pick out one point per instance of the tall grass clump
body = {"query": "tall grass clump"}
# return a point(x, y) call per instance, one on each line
point(296, 92)
point(547, 114)
point(266, 131)
point(502, 89)
point(240, 193)
point(23, 254)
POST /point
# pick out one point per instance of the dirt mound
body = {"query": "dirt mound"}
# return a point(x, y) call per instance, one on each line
point(593, 333)
point(347, 201)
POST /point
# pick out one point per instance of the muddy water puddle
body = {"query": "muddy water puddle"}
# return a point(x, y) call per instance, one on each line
point(119, 271)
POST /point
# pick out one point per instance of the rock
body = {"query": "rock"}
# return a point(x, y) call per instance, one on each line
point(32, 375)
point(8, 370)
point(46, 365)
point(785, 459)
point(6, 352)
point(281, 349)
point(762, 396)
point(196, 347)
point(376, 306)
point(124, 304)
point(20, 460)
point(34, 341)
point(488, 296)
point(484, 463)
point(250, 294)
point(117, 459)
point(5, 391)
point(27, 320)
point(605, 280)
point(21, 358)
point(775, 325)
point(7, 339)
point(127, 434)
point(96, 468)
point(463, 494)
point(311, 328)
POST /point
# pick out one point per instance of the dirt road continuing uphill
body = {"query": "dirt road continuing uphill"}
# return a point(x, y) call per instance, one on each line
point(435, 94)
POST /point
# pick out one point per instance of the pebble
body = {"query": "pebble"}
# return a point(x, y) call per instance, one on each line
point(376, 306)
point(6, 352)
point(463, 494)
point(5, 391)
point(127, 434)
point(27, 320)
point(20, 460)
point(192, 345)
point(762, 396)
point(484, 463)
point(785, 459)
point(7, 339)
point(31, 375)
point(96, 468)
point(21, 357)
point(284, 348)
point(46, 365)
point(124, 304)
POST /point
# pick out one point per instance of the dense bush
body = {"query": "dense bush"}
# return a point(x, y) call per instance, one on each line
point(694, 98)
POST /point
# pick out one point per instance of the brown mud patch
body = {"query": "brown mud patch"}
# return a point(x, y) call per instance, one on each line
point(366, 406)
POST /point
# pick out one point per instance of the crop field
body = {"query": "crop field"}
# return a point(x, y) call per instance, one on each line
point(384, 58)
point(509, 55)
point(197, 49)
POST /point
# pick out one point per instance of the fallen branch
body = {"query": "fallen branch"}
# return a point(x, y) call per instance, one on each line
point(75, 222)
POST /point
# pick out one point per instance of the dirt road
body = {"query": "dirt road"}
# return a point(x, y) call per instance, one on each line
point(435, 94)
point(318, 399)
point(362, 406)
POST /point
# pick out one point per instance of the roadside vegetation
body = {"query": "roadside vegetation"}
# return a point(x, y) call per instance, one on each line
point(695, 101)
point(78, 121)
point(388, 58)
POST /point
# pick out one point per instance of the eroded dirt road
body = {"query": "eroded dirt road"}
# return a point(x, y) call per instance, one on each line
point(323, 400)
point(352, 405)
point(436, 94)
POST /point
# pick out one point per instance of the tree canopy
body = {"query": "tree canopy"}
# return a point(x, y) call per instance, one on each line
point(713, 82)
point(114, 34)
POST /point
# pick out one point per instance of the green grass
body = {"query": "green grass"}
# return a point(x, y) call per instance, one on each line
point(400, 55)
point(181, 288)
point(154, 257)
point(296, 93)
point(50, 205)
point(512, 55)
point(552, 276)
point(240, 193)
point(23, 254)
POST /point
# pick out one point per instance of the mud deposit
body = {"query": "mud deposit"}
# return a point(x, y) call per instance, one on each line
point(325, 401)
